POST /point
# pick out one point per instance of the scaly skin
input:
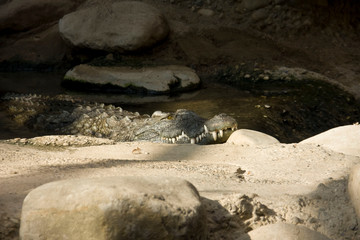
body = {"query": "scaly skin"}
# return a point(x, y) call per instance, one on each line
point(65, 115)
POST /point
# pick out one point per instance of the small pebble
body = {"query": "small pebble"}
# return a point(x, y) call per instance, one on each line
point(247, 76)
point(206, 12)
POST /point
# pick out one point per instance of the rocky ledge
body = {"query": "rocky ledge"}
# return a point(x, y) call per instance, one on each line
point(148, 80)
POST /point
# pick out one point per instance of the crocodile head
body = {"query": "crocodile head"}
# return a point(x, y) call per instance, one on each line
point(63, 114)
point(185, 126)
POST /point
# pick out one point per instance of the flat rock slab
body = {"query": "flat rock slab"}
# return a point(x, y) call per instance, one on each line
point(115, 26)
point(113, 208)
point(344, 139)
point(153, 80)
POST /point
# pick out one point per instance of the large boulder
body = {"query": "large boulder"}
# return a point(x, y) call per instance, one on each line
point(114, 208)
point(162, 79)
point(251, 138)
point(115, 27)
point(19, 15)
point(344, 139)
point(354, 188)
point(283, 231)
point(45, 47)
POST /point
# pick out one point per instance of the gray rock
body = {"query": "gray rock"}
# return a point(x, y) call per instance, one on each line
point(259, 15)
point(354, 188)
point(114, 208)
point(206, 12)
point(279, 1)
point(116, 27)
point(251, 5)
point(19, 15)
point(283, 231)
point(45, 47)
point(344, 139)
point(251, 137)
point(162, 79)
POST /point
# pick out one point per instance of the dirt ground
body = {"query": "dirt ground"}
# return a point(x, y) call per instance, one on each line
point(294, 183)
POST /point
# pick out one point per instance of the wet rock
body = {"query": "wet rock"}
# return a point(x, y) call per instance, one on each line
point(283, 231)
point(251, 137)
point(297, 74)
point(18, 15)
point(163, 79)
point(116, 27)
point(114, 208)
point(344, 139)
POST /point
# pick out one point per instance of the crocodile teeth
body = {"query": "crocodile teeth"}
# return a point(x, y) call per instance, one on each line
point(214, 134)
point(193, 140)
point(206, 129)
point(221, 133)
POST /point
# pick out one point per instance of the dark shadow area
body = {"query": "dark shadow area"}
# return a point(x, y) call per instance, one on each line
point(292, 109)
point(104, 163)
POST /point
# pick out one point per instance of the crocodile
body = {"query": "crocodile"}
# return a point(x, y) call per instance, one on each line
point(64, 114)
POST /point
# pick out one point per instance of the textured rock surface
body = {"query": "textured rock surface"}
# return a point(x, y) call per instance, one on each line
point(161, 79)
point(61, 141)
point(119, 26)
point(344, 139)
point(113, 208)
point(46, 47)
point(251, 137)
point(251, 5)
point(354, 188)
point(18, 15)
point(282, 231)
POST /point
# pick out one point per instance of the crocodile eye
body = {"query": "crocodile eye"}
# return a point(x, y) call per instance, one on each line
point(170, 117)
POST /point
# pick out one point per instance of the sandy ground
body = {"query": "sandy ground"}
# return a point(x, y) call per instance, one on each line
point(295, 183)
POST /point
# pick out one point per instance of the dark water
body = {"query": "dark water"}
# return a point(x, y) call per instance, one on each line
point(290, 113)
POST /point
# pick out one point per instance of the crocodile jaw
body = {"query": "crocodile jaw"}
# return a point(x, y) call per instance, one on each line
point(216, 130)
